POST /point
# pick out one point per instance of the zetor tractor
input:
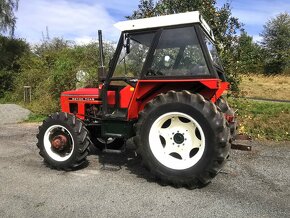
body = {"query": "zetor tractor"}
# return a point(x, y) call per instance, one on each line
point(163, 88)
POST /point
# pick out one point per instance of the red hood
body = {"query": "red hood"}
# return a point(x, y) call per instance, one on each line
point(93, 92)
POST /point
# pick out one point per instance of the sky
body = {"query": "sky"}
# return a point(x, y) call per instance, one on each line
point(79, 20)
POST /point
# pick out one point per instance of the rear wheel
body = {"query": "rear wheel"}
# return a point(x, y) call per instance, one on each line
point(223, 105)
point(182, 139)
point(63, 141)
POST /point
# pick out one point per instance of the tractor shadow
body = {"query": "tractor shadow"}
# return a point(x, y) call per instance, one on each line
point(127, 160)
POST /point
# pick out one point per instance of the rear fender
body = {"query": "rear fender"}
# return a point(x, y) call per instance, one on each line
point(146, 90)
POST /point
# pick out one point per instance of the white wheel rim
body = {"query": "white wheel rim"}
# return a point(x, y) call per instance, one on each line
point(49, 148)
point(179, 145)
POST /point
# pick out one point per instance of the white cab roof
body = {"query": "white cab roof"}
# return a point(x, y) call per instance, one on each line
point(166, 20)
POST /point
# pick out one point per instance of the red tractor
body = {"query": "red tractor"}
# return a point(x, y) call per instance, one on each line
point(163, 88)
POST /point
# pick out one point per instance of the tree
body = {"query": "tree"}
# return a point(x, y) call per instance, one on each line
point(223, 24)
point(11, 51)
point(276, 43)
point(248, 55)
point(7, 17)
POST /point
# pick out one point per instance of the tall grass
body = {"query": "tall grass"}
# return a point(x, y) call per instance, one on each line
point(270, 87)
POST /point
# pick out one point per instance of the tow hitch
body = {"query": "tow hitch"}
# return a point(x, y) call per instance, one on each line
point(241, 143)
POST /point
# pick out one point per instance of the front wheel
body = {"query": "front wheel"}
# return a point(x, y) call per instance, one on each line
point(182, 138)
point(63, 141)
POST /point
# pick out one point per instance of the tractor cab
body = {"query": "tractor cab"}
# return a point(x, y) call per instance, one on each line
point(160, 51)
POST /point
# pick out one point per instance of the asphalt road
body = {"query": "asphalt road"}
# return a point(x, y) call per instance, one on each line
point(252, 184)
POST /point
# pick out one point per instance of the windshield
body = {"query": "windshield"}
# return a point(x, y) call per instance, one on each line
point(178, 53)
point(133, 54)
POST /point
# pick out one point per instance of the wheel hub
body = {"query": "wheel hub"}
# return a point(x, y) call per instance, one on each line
point(59, 142)
point(178, 138)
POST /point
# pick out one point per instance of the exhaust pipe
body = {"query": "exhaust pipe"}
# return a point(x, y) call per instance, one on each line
point(102, 71)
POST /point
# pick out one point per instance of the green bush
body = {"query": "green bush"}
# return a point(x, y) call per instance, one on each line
point(11, 51)
point(52, 68)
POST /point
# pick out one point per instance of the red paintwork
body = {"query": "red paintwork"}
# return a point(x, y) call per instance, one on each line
point(146, 90)
point(83, 91)
point(68, 97)
point(92, 96)
point(125, 96)
point(222, 87)
point(136, 98)
point(83, 96)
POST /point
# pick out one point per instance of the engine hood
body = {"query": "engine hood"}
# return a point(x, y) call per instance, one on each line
point(85, 92)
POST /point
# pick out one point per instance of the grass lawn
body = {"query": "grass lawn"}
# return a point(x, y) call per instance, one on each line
point(263, 120)
point(260, 119)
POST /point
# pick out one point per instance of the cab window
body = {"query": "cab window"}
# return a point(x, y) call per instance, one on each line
point(178, 53)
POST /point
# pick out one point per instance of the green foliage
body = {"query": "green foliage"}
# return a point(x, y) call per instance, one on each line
point(264, 120)
point(6, 78)
point(52, 68)
point(11, 51)
point(35, 118)
point(248, 55)
point(7, 17)
point(276, 42)
point(223, 24)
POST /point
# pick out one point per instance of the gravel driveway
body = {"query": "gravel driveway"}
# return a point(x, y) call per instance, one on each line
point(12, 113)
point(252, 184)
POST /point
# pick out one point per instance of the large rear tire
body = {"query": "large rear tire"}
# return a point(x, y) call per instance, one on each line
point(63, 141)
point(182, 138)
point(223, 105)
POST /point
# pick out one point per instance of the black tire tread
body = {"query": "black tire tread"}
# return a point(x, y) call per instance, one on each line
point(223, 105)
point(218, 123)
point(81, 144)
